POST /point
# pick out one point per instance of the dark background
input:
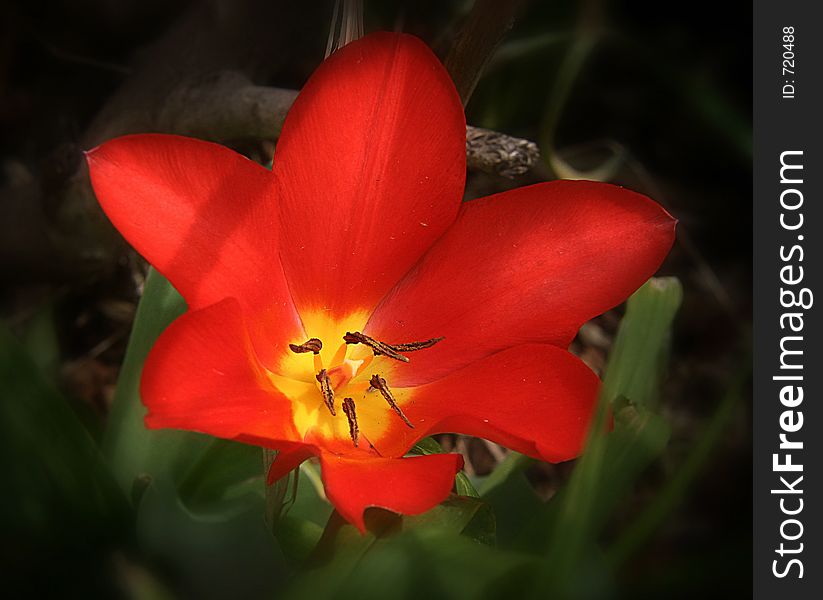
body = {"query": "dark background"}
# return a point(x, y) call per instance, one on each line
point(669, 91)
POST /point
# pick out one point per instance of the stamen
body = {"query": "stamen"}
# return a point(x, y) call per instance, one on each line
point(412, 346)
point(310, 345)
point(326, 389)
point(380, 385)
point(377, 347)
point(351, 415)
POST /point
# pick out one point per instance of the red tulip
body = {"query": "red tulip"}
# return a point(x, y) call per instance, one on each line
point(347, 304)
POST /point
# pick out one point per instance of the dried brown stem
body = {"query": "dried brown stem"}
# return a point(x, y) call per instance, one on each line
point(498, 153)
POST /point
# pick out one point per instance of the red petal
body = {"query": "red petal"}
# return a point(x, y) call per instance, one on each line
point(407, 486)
point(206, 218)
point(536, 399)
point(529, 265)
point(288, 458)
point(202, 375)
point(370, 166)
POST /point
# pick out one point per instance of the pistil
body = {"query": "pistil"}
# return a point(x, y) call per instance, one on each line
point(326, 389)
point(381, 386)
point(351, 415)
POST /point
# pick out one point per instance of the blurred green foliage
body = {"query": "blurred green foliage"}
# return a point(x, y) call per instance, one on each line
point(59, 501)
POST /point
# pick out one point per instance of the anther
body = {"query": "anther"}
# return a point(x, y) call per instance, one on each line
point(390, 350)
point(381, 386)
point(325, 389)
point(376, 346)
point(412, 346)
point(351, 415)
point(310, 345)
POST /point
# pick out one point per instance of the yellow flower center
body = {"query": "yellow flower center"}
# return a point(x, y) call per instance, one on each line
point(336, 380)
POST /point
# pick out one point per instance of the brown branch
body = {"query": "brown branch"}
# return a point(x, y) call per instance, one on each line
point(227, 106)
point(498, 153)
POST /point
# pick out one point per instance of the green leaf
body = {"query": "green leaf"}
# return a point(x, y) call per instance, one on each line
point(426, 446)
point(222, 471)
point(133, 450)
point(514, 464)
point(303, 515)
point(411, 564)
point(463, 485)
point(297, 537)
point(458, 514)
point(226, 553)
point(511, 497)
point(639, 356)
point(310, 500)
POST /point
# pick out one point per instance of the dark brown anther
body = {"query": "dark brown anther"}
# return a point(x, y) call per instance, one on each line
point(325, 389)
point(351, 415)
point(310, 345)
point(412, 346)
point(381, 386)
point(377, 347)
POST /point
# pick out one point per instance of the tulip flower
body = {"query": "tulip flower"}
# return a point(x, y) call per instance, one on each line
point(346, 303)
